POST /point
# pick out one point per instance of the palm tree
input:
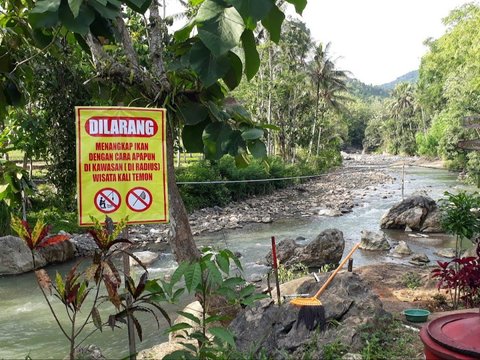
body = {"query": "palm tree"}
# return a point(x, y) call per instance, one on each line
point(329, 83)
point(403, 109)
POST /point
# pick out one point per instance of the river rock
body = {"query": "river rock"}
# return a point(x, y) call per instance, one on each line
point(402, 249)
point(370, 240)
point(84, 245)
point(432, 223)
point(419, 260)
point(16, 257)
point(90, 352)
point(145, 257)
point(58, 253)
point(327, 248)
point(411, 212)
point(274, 331)
point(446, 253)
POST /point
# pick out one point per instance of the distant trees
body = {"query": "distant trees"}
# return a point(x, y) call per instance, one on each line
point(299, 91)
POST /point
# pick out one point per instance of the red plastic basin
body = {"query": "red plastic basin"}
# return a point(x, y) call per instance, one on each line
point(452, 337)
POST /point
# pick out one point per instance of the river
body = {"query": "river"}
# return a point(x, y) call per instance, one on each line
point(27, 327)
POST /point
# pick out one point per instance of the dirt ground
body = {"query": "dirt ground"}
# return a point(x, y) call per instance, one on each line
point(390, 283)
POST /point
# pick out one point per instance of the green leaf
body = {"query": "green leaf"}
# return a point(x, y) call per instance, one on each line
point(184, 33)
point(247, 290)
point(269, 126)
point(252, 11)
point(192, 112)
point(196, 2)
point(223, 262)
point(241, 161)
point(216, 138)
point(232, 256)
point(193, 276)
point(179, 272)
point(140, 6)
point(252, 59)
point(208, 67)
point(190, 316)
point(43, 6)
point(107, 11)
point(299, 5)
point(215, 318)
point(233, 282)
point(252, 134)
point(258, 149)
point(180, 355)
point(75, 6)
point(43, 20)
point(178, 327)
point(233, 77)
point(223, 334)
point(214, 275)
point(81, 24)
point(192, 137)
point(273, 23)
point(41, 39)
point(239, 113)
point(219, 27)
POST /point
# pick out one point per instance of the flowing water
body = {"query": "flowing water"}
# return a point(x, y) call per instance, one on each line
point(28, 328)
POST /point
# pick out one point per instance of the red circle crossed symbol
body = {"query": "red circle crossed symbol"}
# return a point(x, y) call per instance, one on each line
point(139, 199)
point(107, 200)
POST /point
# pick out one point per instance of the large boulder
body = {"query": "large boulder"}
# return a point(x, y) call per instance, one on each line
point(58, 253)
point(327, 248)
point(276, 332)
point(370, 240)
point(413, 212)
point(16, 257)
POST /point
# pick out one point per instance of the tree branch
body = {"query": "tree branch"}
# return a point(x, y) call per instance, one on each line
point(109, 68)
point(156, 45)
point(130, 52)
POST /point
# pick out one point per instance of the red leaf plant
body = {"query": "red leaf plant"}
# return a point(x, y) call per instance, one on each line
point(462, 274)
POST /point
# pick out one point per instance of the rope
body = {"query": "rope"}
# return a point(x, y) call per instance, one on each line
point(271, 179)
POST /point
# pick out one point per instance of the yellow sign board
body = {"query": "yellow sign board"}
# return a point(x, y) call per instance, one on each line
point(121, 164)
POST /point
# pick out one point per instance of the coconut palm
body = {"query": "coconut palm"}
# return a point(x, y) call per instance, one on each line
point(329, 85)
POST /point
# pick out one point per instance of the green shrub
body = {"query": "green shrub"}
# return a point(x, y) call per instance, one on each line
point(198, 196)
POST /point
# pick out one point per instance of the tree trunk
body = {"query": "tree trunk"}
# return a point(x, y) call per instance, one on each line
point(181, 238)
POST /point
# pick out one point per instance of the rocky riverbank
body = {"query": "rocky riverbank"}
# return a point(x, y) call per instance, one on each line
point(332, 194)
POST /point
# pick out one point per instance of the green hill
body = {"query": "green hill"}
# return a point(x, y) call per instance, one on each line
point(411, 77)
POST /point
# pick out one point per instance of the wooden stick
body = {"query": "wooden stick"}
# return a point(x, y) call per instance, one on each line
point(275, 269)
point(329, 280)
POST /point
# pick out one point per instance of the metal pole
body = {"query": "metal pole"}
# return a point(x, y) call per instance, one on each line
point(131, 331)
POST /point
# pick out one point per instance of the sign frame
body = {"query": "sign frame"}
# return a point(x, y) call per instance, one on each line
point(121, 148)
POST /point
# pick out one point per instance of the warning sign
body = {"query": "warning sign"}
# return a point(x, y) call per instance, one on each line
point(107, 200)
point(139, 199)
point(121, 162)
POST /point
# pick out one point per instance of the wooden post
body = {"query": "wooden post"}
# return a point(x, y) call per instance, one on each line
point(403, 179)
point(350, 265)
point(131, 331)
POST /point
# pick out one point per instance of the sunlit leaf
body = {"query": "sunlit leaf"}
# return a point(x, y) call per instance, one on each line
point(193, 275)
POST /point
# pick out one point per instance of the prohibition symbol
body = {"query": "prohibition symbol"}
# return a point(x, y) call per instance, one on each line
point(139, 199)
point(107, 200)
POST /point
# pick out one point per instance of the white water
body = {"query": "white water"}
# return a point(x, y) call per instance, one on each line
point(27, 327)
